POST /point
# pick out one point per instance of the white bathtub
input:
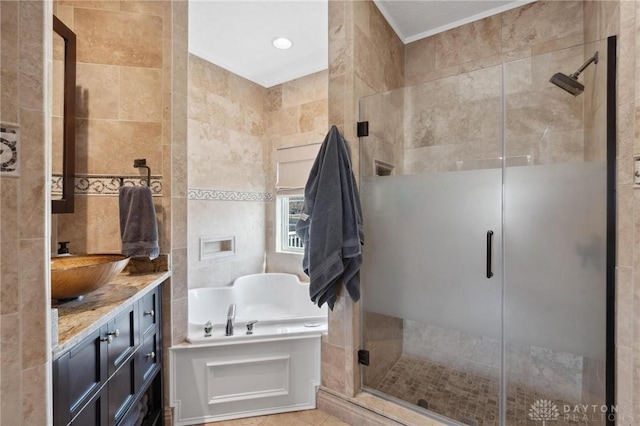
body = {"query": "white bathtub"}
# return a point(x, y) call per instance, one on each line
point(275, 369)
point(274, 300)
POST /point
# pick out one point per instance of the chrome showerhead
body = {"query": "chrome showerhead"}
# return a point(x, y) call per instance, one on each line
point(570, 83)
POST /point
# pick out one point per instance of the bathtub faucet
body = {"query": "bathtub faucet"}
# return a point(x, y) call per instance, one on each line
point(231, 317)
point(207, 329)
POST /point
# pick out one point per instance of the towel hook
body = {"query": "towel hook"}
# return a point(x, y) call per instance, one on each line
point(141, 163)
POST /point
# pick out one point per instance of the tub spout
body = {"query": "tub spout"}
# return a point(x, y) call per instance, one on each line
point(231, 318)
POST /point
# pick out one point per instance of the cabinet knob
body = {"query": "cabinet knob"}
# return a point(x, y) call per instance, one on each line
point(114, 333)
point(108, 338)
point(151, 355)
point(150, 313)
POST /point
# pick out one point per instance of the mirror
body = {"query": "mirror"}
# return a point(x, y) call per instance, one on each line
point(63, 117)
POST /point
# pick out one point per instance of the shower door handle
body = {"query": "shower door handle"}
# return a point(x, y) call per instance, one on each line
point(489, 241)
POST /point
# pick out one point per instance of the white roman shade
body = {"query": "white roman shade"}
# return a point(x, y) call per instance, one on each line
point(294, 165)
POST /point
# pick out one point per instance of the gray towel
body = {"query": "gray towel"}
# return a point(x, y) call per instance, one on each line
point(331, 224)
point(138, 226)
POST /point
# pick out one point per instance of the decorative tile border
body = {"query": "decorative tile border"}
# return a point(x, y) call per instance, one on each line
point(105, 185)
point(9, 146)
point(218, 195)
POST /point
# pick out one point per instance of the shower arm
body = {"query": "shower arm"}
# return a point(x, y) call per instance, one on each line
point(594, 58)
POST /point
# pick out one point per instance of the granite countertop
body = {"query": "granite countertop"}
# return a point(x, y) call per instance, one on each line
point(79, 318)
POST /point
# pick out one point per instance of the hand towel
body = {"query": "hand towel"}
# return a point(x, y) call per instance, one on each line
point(138, 225)
point(331, 224)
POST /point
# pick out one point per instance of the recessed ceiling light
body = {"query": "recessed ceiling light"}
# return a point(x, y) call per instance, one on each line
point(282, 43)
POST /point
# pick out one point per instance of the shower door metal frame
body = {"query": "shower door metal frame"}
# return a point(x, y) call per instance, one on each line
point(610, 361)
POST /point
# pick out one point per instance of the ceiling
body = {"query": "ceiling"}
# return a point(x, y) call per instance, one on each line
point(416, 19)
point(237, 34)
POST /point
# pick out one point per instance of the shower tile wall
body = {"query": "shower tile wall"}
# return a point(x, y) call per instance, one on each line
point(235, 126)
point(543, 124)
point(453, 121)
point(386, 116)
point(383, 337)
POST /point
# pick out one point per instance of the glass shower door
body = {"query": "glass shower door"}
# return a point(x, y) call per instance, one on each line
point(486, 259)
point(555, 241)
point(431, 180)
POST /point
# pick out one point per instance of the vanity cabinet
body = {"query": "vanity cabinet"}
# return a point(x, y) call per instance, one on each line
point(95, 412)
point(122, 337)
point(113, 375)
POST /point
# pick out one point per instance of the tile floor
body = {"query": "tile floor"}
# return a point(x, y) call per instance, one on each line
point(296, 418)
point(466, 397)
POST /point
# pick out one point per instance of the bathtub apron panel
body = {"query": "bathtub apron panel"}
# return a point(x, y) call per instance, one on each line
point(234, 378)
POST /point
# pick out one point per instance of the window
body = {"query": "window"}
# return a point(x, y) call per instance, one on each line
point(288, 210)
point(293, 166)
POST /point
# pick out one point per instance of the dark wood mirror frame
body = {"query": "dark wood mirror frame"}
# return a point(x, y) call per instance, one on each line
point(65, 205)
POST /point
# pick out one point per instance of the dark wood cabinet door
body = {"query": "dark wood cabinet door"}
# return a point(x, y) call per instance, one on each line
point(149, 312)
point(95, 413)
point(122, 390)
point(125, 338)
point(149, 358)
point(78, 375)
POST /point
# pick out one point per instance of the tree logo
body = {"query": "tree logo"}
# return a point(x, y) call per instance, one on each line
point(544, 410)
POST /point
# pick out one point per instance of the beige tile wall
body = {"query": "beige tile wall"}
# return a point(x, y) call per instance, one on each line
point(461, 76)
point(365, 57)
point(296, 114)
point(226, 151)
point(24, 247)
point(235, 126)
point(175, 169)
point(386, 141)
point(543, 122)
point(122, 70)
point(226, 129)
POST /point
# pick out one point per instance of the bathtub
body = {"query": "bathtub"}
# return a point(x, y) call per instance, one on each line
point(275, 369)
point(279, 302)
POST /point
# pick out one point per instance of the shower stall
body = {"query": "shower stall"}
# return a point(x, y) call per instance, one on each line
point(489, 255)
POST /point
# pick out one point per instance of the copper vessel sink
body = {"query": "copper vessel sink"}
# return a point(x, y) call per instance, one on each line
point(73, 276)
